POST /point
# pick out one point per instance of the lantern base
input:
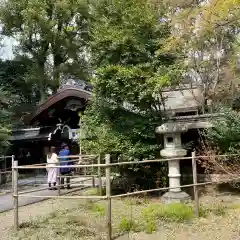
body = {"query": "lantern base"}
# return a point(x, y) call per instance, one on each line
point(179, 197)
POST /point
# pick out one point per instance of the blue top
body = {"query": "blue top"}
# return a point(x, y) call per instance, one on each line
point(63, 154)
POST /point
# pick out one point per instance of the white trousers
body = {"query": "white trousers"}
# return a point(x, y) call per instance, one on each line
point(52, 175)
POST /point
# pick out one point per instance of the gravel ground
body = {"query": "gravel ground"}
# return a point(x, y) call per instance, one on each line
point(33, 211)
point(86, 221)
point(213, 228)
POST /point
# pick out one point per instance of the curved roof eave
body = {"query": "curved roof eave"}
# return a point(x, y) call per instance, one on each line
point(64, 93)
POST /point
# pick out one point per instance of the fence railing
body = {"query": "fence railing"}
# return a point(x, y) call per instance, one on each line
point(108, 196)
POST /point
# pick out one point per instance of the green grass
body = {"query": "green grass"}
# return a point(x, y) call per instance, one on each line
point(99, 209)
point(133, 201)
point(216, 209)
point(95, 208)
point(174, 212)
point(150, 226)
point(88, 218)
point(127, 225)
point(95, 192)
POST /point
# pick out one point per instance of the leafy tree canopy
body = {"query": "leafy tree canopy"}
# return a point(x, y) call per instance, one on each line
point(52, 33)
point(130, 70)
point(4, 118)
point(207, 32)
point(15, 80)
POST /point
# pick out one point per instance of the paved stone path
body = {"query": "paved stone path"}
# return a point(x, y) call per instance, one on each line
point(6, 200)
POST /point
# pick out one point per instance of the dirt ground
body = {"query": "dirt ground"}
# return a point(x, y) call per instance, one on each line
point(80, 219)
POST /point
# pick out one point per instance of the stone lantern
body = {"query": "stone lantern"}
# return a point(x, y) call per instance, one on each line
point(173, 149)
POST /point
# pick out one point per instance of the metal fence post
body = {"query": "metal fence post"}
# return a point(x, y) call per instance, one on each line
point(99, 176)
point(108, 195)
point(15, 194)
point(194, 170)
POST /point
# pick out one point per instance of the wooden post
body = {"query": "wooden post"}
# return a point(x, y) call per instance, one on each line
point(4, 176)
point(59, 180)
point(80, 146)
point(108, 195)
point(194, 170)
point(12, 173)
point(93, 182)
point(99, 176)
point(80, 170)
point(85, 169)
point(92, 171)
point(15, 195)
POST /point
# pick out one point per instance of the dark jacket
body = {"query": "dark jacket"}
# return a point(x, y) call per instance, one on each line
point(63, 157)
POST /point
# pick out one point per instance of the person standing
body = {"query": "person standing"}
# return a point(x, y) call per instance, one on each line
point(52, 162)
point(64, 161)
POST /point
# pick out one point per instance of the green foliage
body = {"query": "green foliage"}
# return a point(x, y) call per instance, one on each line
point(127, 225)
point(206, 33)
point(217, 209)
point(99, 209)
point(14, 78)
point(76, 217)
point(48, 29)
point(95, 192)
point(96, 208)
point(127, 133)
point(4, 119)
point(225, 134)
point(140, 177)
point(176, 212)
point(126, 41)
point(129, 74)
point(150, 226)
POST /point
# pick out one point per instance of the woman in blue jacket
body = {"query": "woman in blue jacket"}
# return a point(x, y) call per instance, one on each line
point(64, 161)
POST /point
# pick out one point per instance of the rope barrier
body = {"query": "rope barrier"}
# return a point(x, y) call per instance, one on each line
point(43, 166)
point(46, 188)
point(170, 188)
point(65, 197)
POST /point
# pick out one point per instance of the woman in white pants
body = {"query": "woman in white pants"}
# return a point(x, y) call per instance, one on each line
point(52, 161)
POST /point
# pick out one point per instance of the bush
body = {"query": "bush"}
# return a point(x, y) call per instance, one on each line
point(141, 177)
point(225, 133)
point(222, 139)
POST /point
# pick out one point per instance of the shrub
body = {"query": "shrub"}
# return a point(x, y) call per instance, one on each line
point(225, 135)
